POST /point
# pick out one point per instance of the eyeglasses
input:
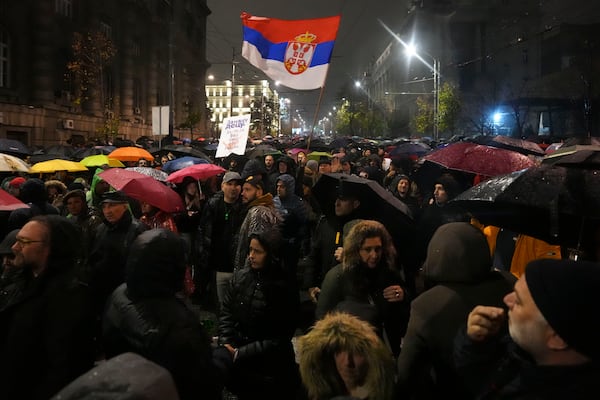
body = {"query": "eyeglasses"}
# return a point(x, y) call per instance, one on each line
point(24, 242)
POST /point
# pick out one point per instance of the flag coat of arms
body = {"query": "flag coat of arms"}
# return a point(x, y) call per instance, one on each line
point(295, 53)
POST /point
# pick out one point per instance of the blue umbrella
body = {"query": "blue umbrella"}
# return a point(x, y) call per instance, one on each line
point(180, 163)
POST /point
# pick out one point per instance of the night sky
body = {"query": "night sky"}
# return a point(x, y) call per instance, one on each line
point(360, 39)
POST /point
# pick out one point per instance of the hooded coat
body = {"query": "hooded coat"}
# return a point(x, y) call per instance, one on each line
point(458, 265)
point(343, 332)
point(145, 316)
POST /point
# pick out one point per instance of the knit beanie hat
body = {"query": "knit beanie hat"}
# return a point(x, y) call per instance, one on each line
point(451, 186)
point(565, 291)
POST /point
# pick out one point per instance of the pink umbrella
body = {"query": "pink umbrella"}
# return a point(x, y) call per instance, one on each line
point(479, 159)
point(9, 202)
point(144, 188)
point(198, 172)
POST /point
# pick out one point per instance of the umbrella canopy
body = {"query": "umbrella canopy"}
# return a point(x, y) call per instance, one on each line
point(479, 159)
point(410, 150)
point(152, 172)
point(131, 154)
point(100, 160)
point(262, 150)
point(181, 163)
point(549, 202)
point(316, 155)
point(376, 202)
point(198, 172)
point(57, 165)
point(9, 202)
point(144, 188)
point(13, 147)
point(92, 151)
point(180, 151)
point(579, 156)
point(509, 143)
point(10, 163)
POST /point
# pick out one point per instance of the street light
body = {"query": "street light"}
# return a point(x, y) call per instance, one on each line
point(411, 51)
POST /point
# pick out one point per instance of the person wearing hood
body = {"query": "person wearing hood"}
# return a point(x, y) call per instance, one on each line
point(343, 356)
point(459, 273)
point(260, 215)
point(257, 322)
point(33, 193)
point(46, 334)
point(294, 226)
point(144, 315)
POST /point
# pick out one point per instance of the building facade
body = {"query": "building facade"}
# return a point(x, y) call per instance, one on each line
point(158, 58)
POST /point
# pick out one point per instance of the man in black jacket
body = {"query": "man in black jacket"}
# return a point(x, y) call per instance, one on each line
point(218, 231)
point(46, 335)
point(553, 349)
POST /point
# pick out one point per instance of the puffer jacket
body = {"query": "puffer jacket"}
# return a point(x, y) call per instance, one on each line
point(258, 318)
point(144, 316)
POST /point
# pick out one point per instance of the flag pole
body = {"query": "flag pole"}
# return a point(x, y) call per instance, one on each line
point(312, 130)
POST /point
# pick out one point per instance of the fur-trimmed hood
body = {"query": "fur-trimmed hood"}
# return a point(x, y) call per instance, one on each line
point(343, 332)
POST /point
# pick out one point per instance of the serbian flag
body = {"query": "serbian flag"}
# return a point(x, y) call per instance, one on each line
point(294, 53)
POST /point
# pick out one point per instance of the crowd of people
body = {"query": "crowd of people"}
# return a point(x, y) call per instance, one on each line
point(309, 304)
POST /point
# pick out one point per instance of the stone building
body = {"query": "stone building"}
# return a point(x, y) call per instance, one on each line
point(159, 59)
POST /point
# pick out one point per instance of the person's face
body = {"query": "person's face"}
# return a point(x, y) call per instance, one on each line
point(32, 247)
point(52, 192)
point(164, 159)
point(15, 191)
point(346, 167)
point(439, 193)
point(113, 212)
point(257, 255)
point(231, 190)
point(250, 193)
point(352, 368)
point(526, 325)
point(281, 189)
point(269, 161)
point(75, 205)
point(142, 163)
point(283, 168)
point(367, 153)
point(191, 189)
point(147, 208)
point(324, 168)
point(345, 206)
point(403, 186)
point(370, 251)
point(301, 158)
point(101, 187)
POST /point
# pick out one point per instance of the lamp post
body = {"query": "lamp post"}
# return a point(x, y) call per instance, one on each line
point(411, 51)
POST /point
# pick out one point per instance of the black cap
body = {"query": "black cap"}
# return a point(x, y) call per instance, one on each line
point(114, 197)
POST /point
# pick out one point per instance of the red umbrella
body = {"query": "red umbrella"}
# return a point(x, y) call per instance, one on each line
point(479, 159)
point(8, 202)
point(143, 188)
point(197, 171)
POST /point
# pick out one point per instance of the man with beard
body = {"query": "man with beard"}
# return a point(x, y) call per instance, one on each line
point(552, 350)
point(260, 215)
point(218, 232)
point(46, 336)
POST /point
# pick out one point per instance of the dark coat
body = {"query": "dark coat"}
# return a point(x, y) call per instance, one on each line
point(352, 290)
point(46, 336)
point(144, 316)
point(499, 369)
point(459, 265)
point(259, 319)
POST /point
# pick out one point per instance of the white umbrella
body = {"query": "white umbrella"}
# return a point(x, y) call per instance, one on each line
point(10, 163)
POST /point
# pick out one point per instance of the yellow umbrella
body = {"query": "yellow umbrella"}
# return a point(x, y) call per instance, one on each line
point(57, 165)
point(99, 160)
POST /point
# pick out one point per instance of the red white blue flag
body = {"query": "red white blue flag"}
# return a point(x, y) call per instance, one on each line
point(295, 53)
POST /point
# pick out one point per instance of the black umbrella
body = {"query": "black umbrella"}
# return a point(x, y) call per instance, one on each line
point(180, 151)
point(262, 150)
point(13, 147)
point(376, 202)
point(552, 203)
point(577, 156)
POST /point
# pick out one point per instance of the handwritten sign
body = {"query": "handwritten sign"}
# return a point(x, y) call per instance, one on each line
point(234, 136)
